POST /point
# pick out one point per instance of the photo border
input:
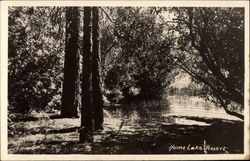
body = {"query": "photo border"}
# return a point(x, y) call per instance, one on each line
point(179, 3)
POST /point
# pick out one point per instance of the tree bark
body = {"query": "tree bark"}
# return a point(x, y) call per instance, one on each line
point(97, 92)
point(69, 105)
point(87, 91)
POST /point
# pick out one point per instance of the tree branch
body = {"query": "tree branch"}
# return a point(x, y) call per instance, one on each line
point(107, 15)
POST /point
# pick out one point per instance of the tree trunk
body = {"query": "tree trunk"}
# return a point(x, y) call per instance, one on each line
point(71, 63)
point(97, 93)
point(87, 91)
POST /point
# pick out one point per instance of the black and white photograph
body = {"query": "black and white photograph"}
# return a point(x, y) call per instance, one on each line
point(135, 79)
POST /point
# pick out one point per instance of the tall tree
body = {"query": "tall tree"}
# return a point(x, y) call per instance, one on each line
point(87, 90)
point(71, 63)
point(97, 92)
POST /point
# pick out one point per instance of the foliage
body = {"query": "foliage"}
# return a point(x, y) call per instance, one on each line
point(141, 59)
point(210, 47)
point(140, 50)
point(35, 56)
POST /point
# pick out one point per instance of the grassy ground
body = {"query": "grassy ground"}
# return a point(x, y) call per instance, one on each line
point(41, 133)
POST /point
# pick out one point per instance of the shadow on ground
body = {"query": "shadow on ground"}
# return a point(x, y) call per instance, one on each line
point(148, 139)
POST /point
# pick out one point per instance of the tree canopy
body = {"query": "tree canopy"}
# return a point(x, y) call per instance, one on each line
point(210, 47)
point(141, 60)
point(142, 50)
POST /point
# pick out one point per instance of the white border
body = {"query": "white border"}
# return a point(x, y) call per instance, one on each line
point(4, 85)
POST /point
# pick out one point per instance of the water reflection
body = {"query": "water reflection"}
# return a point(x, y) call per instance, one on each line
point(174, 110)
point(196, 107)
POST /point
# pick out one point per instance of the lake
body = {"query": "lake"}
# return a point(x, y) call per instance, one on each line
point(174, 110)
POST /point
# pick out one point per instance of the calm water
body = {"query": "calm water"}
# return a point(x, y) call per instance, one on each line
point(174, 110)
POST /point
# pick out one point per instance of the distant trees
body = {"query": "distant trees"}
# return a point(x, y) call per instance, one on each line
point(71, 65)
point(139, 67)
point(210, 47)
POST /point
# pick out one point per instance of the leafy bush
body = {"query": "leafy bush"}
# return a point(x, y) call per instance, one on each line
point(35, 57)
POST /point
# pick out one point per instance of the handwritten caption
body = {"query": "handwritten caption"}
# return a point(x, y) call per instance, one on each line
point(205, 148)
